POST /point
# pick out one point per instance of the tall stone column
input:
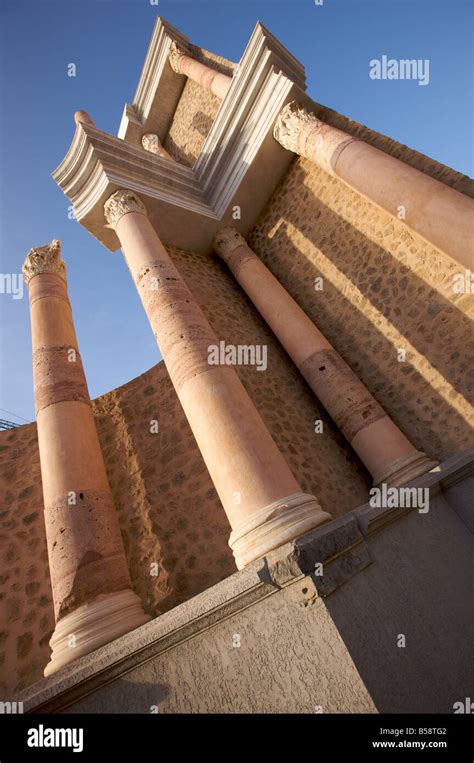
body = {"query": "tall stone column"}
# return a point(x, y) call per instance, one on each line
point(263, 502)
point(383, 448)
point(93, 599)
point(442, 216)
point(182, 63)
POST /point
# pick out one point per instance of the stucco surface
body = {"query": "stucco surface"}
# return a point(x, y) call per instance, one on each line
point(418, 587)
point(283, 654)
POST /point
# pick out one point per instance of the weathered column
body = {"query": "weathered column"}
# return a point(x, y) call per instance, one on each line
point(382, 447)
point(442, 216)
point(262, 500)
point(93, 599)
point(182, 63)
point(151, 143)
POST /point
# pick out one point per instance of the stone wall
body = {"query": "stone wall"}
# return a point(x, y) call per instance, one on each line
point(384, 289)
point(26, 609)
point(195, 112)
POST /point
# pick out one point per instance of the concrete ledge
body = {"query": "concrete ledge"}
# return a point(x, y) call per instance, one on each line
point(452, 471)
point(235, 593)
point(330, 555)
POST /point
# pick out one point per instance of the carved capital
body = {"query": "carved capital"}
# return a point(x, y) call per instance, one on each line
point(291, 119)
point(44, 259)
point(120, 203)
point(151, 143)
point(176, 53)
point(226, 240)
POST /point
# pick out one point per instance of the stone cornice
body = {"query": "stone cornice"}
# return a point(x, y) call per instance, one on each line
point(44, 259)
point(264, 81)
point(240, 162)
point(158, 90)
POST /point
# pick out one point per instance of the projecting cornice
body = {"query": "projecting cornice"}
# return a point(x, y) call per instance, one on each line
point(158, 90)
point(240, 162)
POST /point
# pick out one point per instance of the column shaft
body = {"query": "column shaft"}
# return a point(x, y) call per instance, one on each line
point(93, 600)
point(383, 448)
point(442, 216)
point(212, 80)
point(262, 499)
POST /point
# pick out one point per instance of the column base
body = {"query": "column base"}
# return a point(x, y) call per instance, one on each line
point(92, 625)
point(405, 469)
point(275, 525)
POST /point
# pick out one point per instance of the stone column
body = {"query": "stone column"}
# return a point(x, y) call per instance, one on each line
point(182, 63)
point(382, 447)
point(263, 502)
point(442, 216)
point(93, 599)
point(151, 143)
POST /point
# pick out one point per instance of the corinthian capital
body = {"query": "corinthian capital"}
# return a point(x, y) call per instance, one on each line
point(175, 54)
point(291, 119)
point(120, 203)
point(151, 143)
point(44, 259)
point(226, 240)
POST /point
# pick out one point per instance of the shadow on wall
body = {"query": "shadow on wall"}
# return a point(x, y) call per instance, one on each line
point(186, 136)
point(323, 463)
point(174, 529)
point(26, 608)
point(202, 123)
point(375, 300)
point(126, 696)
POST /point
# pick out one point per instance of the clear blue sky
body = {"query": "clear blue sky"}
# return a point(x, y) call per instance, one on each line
point(107, 40)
